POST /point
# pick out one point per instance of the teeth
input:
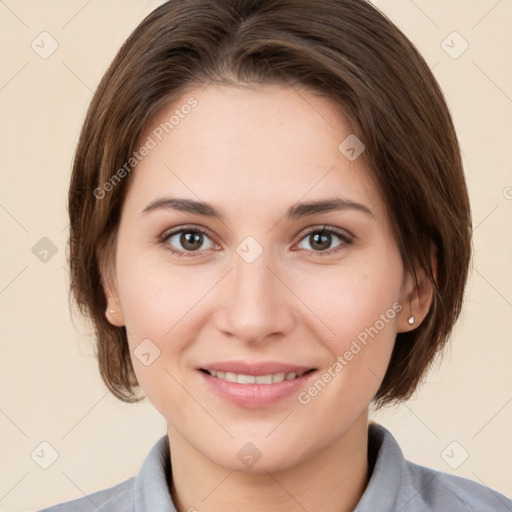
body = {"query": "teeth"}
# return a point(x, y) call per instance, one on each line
point(245, 379)
point(252, 379)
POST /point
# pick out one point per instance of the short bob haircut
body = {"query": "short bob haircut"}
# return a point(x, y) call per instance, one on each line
point(344, 50)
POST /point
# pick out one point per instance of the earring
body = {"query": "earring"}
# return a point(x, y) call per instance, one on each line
point(410, 320)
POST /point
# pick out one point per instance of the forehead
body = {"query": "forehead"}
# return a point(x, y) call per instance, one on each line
point(256, 146)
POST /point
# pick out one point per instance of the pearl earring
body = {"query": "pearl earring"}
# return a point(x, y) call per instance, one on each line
point(410, 320)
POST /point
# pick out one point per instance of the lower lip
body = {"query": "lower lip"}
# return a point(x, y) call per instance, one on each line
point(255, 395)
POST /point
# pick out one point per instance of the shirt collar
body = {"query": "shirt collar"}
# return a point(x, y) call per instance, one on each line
point(151, 491)
point(389, 487)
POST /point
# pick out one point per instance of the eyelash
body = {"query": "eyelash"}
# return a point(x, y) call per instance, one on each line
point(346, 240)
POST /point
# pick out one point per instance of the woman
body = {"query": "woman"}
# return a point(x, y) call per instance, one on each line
point(270, 230)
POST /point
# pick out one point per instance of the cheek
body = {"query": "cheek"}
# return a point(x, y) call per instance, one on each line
point(356, 308)
point(157, 297)
point(349, 301)
point(161, 305)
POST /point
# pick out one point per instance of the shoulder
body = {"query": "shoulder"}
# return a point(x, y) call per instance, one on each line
point(145, 492)
point(438, 490)
point(398, 484)
point(118, 498)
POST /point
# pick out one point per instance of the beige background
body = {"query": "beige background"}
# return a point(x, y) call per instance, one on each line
point(50, 388)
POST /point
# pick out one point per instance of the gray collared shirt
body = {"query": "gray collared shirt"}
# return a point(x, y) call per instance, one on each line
point(396, 485)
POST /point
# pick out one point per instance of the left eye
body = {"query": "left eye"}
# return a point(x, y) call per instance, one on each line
point(191, 240)
point(321, 240)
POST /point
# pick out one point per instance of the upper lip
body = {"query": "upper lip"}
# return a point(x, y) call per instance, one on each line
point(262, 368)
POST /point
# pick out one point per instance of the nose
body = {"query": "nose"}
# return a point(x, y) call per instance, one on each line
point(257, 305)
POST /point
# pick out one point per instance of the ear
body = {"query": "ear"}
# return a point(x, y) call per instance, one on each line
point(114, 312)
point(417, 297)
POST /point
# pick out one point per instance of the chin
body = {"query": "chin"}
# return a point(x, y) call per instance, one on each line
point(257, 454)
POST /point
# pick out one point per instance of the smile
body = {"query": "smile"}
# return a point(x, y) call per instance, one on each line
point(254, 385)
point(241, 378)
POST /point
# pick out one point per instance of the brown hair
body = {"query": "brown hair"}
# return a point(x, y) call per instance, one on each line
point(345, 50)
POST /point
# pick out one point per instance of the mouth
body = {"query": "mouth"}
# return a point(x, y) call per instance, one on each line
point(243, 378)
point(255, 385)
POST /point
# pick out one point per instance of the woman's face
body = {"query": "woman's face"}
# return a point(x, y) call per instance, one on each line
point(263, 294)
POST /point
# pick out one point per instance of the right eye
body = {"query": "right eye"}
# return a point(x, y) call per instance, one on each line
point(188, 240)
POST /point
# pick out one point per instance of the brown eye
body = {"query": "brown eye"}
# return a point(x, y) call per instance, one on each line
point(188, 240)
point(191, 240)
point(321, 240)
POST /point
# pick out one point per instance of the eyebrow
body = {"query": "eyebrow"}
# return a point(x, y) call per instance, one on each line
point(296, 211)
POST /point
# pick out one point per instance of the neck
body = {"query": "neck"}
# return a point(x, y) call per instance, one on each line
point(332, 480)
